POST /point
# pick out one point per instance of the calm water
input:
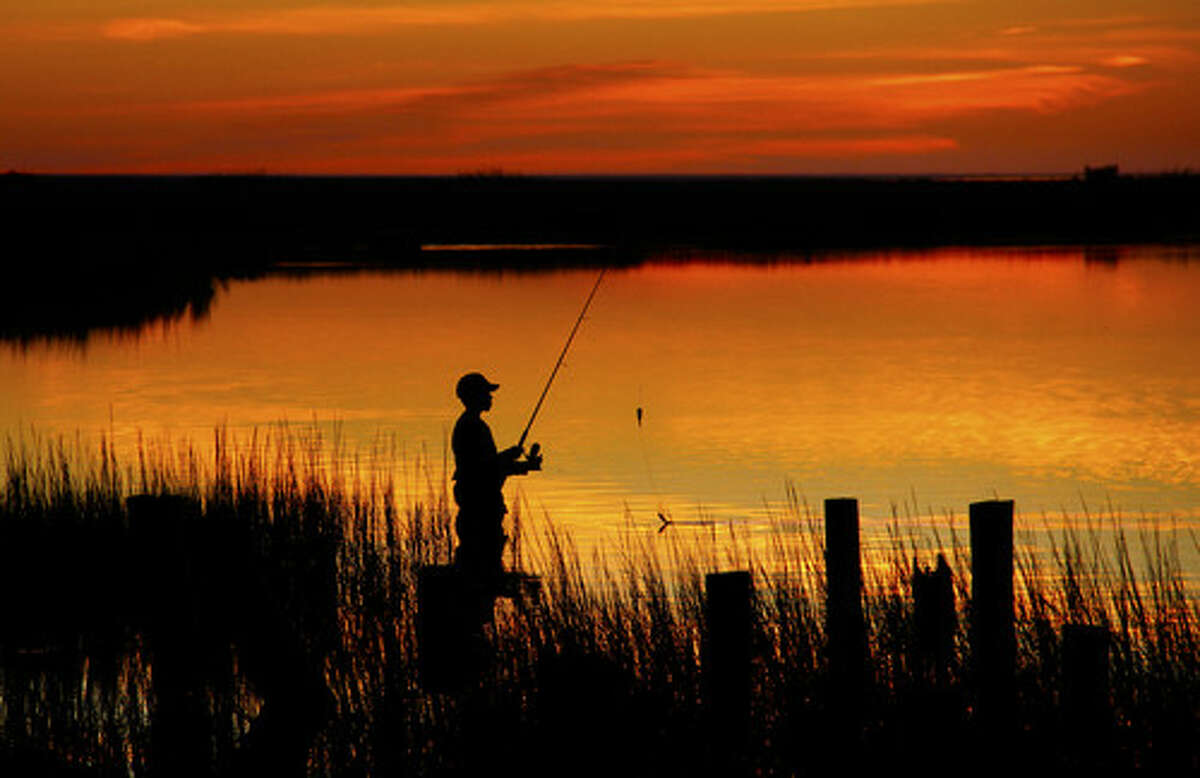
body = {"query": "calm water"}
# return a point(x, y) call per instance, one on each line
point(935, 378)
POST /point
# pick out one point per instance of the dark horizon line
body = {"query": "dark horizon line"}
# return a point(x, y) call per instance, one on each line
point(500, 174)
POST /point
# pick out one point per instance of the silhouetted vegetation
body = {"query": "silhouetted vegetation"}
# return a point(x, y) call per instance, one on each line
point(114, 252)
point(250, 220)
point(264, 613)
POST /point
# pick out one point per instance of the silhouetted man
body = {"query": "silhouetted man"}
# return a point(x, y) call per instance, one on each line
point(479, 475)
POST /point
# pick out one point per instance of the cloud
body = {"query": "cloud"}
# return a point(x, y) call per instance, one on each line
point(151, 29)
point(647, 116)
point(655, 93)
point(1160, 45)
point(856, 101)
point(895, 145)
point(335, 102)
point(639, 104)
point(1036, 88)
point(530, 85)
point(974, 75)
point(362, 20)
point(1124, 61)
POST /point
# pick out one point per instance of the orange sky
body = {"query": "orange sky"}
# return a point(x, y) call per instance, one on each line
point(599, 86)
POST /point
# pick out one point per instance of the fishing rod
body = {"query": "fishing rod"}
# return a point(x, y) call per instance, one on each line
point(587, 303)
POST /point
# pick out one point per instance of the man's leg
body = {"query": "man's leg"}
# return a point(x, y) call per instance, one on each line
point(480, 543)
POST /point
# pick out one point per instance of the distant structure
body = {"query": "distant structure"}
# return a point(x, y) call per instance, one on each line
point(1101, 174)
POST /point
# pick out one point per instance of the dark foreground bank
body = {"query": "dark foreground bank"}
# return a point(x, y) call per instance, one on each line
point(267, 618)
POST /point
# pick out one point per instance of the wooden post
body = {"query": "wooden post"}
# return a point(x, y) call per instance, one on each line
point(1087, 717)
point(992, 640)
point(444, 629)
point(932, 709)
point(843, 607)
point(729, 620)
point(934, 621)
point(181, 730)
point(158, 529)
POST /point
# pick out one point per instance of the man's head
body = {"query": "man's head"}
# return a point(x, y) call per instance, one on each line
point(475, 391)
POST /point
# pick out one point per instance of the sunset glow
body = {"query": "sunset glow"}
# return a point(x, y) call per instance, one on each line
point(889, 373)
point(669, 86)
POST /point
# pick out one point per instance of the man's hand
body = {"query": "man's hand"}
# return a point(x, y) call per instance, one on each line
point(534, 459)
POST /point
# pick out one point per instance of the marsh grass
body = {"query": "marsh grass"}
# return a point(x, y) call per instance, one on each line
point(303, 565)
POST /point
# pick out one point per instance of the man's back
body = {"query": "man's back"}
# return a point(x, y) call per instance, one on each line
point(477, 474)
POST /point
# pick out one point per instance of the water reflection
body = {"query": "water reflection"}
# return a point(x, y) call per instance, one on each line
point(93, 701)
point(73, 306)
point(1057, 377)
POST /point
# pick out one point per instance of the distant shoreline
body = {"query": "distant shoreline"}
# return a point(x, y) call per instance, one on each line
point(87, 253)
point(263, 219)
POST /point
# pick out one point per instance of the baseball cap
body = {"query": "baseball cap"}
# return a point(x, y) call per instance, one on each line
point(473, 385)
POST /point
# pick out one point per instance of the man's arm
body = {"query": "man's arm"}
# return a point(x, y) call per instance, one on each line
point(511, 464)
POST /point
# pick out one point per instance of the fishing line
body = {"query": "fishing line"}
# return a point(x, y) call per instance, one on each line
point(641, 435)
point(664, 515)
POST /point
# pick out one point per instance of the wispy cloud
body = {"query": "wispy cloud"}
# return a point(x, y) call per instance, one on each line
point(650, 115)
point(860, 101)
point(630, 108)
point(153, 29)
point(608, 117)
point(975, 75)
point(664, 89)
point(1124, 61)
point(328, 103)
point(894, 145)
point(1165, 50)
point(1037, 88)
point(350, 20)
point(638, 98)
point(525, 87)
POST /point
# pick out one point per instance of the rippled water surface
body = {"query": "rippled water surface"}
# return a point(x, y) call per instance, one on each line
point(1067, 380)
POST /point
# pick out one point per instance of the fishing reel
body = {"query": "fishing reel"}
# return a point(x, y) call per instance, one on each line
point(534, 457)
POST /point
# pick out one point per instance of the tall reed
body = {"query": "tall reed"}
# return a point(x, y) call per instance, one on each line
point(321, 548)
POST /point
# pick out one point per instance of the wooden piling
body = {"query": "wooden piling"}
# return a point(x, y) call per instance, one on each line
point(181, 732)
point(931, 709)
point(159, 525)
point(934, 618)
point(726, 657)
point(444, 629)
point(843, 599)
point(992, 638)
point(1087, 714)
